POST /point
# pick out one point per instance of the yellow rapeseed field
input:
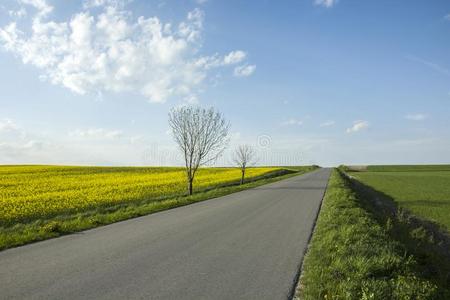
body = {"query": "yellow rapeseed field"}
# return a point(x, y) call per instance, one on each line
point(28, 193)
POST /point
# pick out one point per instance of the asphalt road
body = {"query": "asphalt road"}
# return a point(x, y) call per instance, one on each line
point(247, 245)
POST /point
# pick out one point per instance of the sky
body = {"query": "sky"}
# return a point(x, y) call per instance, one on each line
point(327, 82)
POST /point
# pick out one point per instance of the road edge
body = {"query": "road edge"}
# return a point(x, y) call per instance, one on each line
point(298, 276)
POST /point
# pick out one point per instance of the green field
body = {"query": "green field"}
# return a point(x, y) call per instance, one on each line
point(359, 252)
point(423, 190)
point(39, 202)
point(407, 168)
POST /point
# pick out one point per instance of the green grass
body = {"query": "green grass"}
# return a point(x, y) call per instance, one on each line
point(49, 226)
point(423, 190)
point(356, 254)
point(407, 168)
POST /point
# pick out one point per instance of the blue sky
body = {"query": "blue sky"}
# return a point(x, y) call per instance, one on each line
point(325, 82)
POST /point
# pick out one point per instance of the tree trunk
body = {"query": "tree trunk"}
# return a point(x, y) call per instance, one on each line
point(190, 186)
point(243, 175)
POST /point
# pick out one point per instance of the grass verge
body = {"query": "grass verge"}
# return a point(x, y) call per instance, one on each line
point(353, 254)
point(24, 233)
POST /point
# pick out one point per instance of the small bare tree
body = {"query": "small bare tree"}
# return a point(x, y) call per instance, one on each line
point(244, 156)
point(201, 134)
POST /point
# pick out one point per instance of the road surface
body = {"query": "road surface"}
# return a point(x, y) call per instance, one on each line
point(247, 245)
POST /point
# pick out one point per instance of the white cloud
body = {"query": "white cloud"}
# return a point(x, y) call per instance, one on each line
point(432, 65)
point(357, 126)
point(33, 144)
point(416, 117)
point(191, 99)
point(292, 122)
point(42, 7)
point(214, 61)
point(18, 13)
point(8, 125)
point(98, 3)
point(244, 71)
point(286, 149)
point(234, 57)
point(327, 124)
point(13, 152)
point(96, 133)
point(201, 1)
point(447, 17)
point(137, 139)
point(112, 51)
point(325, 3)
point(16, 142)
point(10, 130)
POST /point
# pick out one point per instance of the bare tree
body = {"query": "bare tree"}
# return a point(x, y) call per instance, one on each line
point(244, 156)
point(201, 134)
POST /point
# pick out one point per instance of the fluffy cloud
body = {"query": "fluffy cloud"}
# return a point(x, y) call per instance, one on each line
point(8, 125)
point(234, 57)
point(327, 124)
point(325, 3)
point(97, 3)
point(20, 145)
point(112, 51)
point(42, 7)
point(17, 13)
point(244, 71)
point(214, 61)
point(16, 142)
point(16, 152)
point(96, 133)
point(292, 122)
point(416, 117)
point(357, 126)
